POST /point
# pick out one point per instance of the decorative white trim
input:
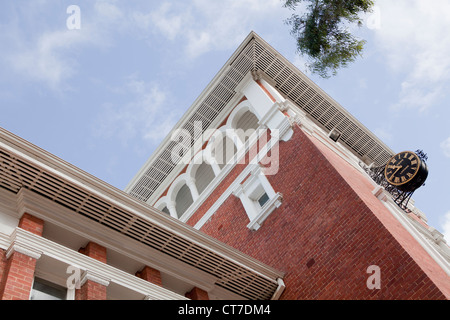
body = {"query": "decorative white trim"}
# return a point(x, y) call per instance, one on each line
point(237, 112)
point(266, 210)
point(280, 289)
point(418, 233)
point(38, 163)
point(95, 270)
point(95, 277)
point(241, 152)
point(237, 189)
point(275, 120)
point(22, 248)
point(245, 172)
point(56, 214)
point(63, 217)
point(256, 214)
point(224, 196)
point(4, 241)
point(18, 245)
point(380, 193)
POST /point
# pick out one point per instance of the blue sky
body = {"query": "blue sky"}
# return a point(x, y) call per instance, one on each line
point(103, 96)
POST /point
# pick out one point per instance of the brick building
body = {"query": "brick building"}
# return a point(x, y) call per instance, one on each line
point(260, 191)
point(271, 165)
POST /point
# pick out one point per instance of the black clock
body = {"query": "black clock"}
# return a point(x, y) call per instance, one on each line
point(406, 171)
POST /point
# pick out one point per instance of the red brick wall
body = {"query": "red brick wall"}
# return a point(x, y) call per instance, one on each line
point(17, 272)
point(324, 236)
point(91, 290)
point(18, 280)
point(31, 224)
point(151, 275)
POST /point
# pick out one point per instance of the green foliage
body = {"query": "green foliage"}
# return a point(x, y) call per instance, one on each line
point(322, 32)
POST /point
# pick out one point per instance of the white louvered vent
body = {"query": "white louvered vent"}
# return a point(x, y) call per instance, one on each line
point(326, 112)
point(207, 111)
point(17, 173)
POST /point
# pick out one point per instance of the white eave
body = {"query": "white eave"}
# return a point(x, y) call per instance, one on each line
point(23, 165)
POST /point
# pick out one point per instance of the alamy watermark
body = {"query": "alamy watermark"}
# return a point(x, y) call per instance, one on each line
point(374, 280)
point(236, 146)
point(73, 22)
point(74, 279)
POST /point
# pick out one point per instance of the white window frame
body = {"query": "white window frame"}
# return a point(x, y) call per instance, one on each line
point(249, 193)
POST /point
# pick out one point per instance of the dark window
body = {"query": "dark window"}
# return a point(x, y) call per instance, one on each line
point(45, 290)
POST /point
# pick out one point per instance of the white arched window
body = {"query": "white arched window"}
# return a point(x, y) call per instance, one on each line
point(223, 148)
point(183, 200)
point(246, 125)
point(164, 205)
point(243, 120)
point(204, 174)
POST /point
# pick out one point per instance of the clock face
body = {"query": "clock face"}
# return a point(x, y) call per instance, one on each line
point(402, 168)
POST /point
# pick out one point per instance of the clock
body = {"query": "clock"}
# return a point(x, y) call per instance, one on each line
point(406, 171)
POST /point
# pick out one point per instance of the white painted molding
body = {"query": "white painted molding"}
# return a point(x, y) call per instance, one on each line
point(95, 277)
point(380, 193)
point(232, 188)
point(64, 218)
point(430, 246)
point(24, 249)
point(16, 244)
point(280, 289)
point(267, 209)
point(96, 271)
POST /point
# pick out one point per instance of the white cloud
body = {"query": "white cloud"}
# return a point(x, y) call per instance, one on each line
point(108, 11)
point(147, 116)
point(445, 147)
point(414, 38)
point(202, 25)
point(164, 20)
point(45, 59)
point(384, 134)
point(446, 227)
point(40, 50)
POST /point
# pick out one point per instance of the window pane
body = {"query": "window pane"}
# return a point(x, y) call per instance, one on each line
point(44, 290)
point(263, 199)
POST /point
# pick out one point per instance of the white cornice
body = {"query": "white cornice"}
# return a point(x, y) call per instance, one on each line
point(96, 271)
point(94, 277)
point(17, 246)
point(423, 236)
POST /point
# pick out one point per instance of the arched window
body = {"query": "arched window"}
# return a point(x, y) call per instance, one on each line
point(183, 200)
point(203, 176)
point(245, 125)
point(223, 150)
